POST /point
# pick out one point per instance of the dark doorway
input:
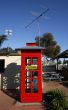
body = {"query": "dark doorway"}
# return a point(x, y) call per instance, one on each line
point(2, 65)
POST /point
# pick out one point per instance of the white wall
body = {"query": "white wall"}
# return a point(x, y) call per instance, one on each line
point(10, 79)
point(11, 59)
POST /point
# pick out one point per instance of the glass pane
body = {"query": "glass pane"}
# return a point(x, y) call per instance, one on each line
point(27, 81)
point(35, 89)
point(27, 90)
point(27, 86)
point(34, 61)
point(35, 81)
point(35, 74)
point(28, 61)
point(28, 74)
point(35, 85)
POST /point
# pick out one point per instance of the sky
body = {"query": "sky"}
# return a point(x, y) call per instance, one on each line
point(16, 14)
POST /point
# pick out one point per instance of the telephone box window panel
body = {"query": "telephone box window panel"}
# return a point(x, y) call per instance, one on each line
point(35, 81)
point(35, 85)
point(27, 90)
point(35, 74)
point(27, 81)
point(34, 61)
point(28, 74)
point(28, 61)
point(27, 86)
point(31, 82)
point(31, 64)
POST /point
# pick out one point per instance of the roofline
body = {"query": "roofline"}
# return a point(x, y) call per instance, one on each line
point(57, 57)
point(10, 55)
point(30, 48)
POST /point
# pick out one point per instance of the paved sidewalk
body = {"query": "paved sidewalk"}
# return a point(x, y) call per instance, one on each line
point(8, 103)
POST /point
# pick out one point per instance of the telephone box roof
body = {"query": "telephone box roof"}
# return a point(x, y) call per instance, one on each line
point(31, 48)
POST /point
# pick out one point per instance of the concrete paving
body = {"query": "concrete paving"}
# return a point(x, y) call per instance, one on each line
point(8, 103)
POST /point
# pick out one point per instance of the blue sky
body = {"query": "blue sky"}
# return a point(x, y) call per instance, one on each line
point(16, 14)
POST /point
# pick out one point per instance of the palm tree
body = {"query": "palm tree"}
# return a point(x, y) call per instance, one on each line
point(2, 39)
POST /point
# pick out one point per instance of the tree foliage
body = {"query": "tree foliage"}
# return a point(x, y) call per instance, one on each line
point(2, 39)
point(51, 47)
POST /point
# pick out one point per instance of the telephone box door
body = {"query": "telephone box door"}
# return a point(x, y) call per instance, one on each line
point(31, 80)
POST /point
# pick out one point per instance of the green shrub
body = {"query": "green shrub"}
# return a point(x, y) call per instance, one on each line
point(56, 100)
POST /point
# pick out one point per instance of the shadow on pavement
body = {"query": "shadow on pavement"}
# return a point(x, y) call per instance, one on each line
point(64, 83)
point(13, 93)
point(45, 102)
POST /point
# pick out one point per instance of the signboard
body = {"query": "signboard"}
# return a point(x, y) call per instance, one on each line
point(31, 67)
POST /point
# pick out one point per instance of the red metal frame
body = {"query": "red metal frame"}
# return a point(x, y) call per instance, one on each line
point(30, 44)
point(30, 97)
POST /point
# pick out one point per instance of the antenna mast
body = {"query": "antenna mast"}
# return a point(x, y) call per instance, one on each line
point(38, 23)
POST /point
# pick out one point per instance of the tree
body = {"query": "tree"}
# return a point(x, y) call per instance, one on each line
point(47, 41)
point(59, 62)
point(2, 39)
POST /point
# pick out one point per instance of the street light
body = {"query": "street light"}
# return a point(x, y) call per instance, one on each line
point(8, 32)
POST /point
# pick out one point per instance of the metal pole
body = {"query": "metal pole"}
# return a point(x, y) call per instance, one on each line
point(8, 33)
point(57, 64)
point(38, 31)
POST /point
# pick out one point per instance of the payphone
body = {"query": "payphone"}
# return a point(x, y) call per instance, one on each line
point(31, 74)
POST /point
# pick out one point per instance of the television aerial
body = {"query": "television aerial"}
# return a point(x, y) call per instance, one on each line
point(37, 18)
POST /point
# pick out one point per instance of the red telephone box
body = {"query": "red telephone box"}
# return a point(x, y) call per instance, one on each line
point(31, 74)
